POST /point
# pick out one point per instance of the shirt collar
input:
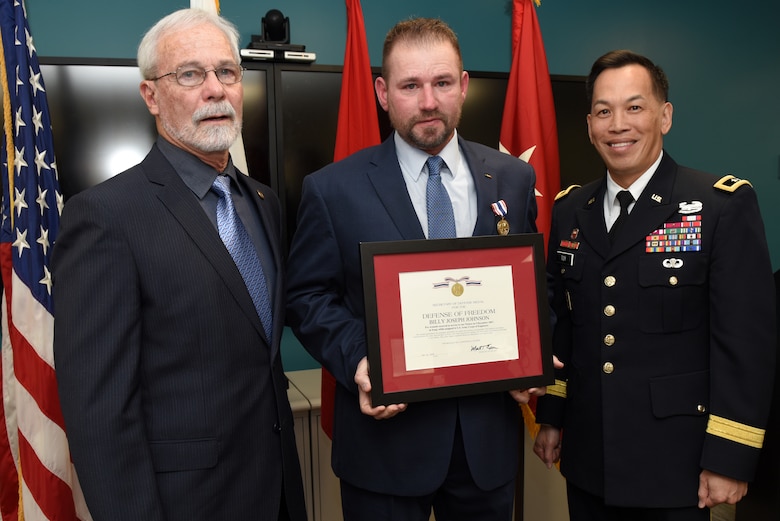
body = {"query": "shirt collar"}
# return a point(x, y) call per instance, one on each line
point(636, 188)
point(413, 159)
point(197, 175)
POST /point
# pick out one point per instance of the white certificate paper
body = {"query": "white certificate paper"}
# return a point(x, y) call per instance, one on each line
point(458, 317)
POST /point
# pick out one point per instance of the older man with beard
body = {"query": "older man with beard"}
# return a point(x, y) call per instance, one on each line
point(167, 349)
point(457, 456)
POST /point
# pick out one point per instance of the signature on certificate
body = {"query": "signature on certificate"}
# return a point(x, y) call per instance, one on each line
point(484, 347)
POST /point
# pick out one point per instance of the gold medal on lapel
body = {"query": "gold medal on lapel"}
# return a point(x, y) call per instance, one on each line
point(500, 210)
point(502, 226)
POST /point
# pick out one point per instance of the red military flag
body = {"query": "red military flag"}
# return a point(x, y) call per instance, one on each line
point(37, 479)
point(358, 127)
point(528, 128)
point(358, 124)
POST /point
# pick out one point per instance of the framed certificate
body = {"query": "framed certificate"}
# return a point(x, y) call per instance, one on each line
point(455, 317)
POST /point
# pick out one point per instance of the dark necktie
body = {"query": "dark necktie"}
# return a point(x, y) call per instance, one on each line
point(241, 248)
point(441, 219)
point(625, 198)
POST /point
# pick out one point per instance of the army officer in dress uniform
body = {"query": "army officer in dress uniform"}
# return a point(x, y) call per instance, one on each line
point(664, 296)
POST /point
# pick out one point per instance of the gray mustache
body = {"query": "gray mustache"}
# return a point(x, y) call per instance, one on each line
point(221, 108)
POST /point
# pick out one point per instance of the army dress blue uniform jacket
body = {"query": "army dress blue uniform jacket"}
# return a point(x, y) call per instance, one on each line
point(669, 346)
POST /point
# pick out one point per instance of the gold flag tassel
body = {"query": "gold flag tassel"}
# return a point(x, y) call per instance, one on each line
point(9, 134)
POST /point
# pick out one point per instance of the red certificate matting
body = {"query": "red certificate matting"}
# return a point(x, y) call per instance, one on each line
point(468, 334)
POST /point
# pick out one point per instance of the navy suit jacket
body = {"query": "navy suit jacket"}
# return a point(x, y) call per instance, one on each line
point(669, 355)
point(364, 198)
point(174, 400)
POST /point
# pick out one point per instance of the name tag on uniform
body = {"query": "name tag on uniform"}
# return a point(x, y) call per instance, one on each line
point(565, 257)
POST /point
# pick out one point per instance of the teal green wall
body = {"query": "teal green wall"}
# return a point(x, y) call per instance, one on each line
point(722, 58)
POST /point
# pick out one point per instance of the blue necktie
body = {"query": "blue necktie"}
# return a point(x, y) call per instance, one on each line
point(441, 220)
point(241, 248)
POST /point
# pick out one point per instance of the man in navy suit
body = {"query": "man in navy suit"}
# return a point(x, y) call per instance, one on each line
point(666, 319)
point(171, 385)
point(458, 456)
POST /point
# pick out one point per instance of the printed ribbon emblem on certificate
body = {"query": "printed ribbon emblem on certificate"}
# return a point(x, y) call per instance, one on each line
point(472, 323)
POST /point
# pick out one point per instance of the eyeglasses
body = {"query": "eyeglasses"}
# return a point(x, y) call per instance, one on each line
point(190, 76)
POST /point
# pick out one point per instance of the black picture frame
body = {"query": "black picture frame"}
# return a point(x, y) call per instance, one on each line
point(383, 264)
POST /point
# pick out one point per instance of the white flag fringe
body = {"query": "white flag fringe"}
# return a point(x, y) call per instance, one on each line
point(237, 151)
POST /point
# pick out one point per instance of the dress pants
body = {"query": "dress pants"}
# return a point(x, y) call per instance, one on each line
point(458, 499)
point(584, 506)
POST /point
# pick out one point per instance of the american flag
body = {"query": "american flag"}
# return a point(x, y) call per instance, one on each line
point(37, 480)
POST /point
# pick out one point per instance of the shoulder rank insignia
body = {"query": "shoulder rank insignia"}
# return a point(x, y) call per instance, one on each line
point(564, 193)
point(730, 183)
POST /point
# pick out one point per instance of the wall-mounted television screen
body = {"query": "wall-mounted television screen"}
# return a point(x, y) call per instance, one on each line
point(101, 125)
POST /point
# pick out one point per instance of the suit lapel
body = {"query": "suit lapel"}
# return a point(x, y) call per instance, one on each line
point(486, 187)
point(270, 223)
point(385, 175)
point(184, 207)
point(590, 220)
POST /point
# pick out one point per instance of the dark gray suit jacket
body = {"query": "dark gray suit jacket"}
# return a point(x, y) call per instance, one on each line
point(174, 401)
point(364, 198)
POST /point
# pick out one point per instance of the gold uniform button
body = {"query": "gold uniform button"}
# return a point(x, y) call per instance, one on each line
point(673, 280)
point(608, 367)
point(609, 340)
point(609, 281)
point(701, 408)
point(609, 310)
